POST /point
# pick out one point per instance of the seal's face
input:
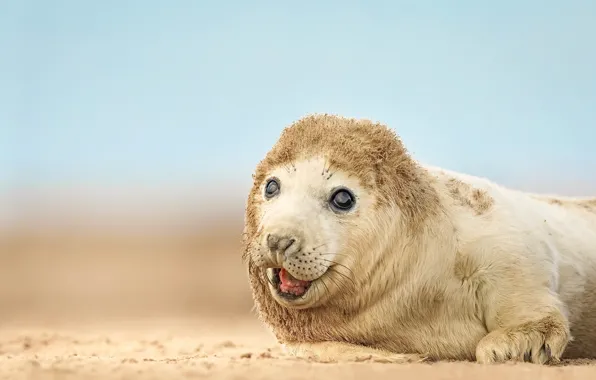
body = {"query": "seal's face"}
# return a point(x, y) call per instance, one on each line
point(304, 242)
point(324, 204)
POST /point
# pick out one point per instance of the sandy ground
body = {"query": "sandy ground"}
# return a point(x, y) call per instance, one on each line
point(100, 304)
point(211, 348)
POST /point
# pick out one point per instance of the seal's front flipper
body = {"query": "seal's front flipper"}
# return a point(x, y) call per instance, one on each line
point(344, 352)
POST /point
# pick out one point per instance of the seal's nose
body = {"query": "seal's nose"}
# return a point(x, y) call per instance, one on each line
point(281, 243)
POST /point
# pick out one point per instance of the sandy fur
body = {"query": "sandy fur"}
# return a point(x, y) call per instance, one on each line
point(440, 265)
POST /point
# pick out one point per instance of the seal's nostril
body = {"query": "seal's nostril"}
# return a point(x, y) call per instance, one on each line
point(272, 241)
point(285, 243)
point(281, 243)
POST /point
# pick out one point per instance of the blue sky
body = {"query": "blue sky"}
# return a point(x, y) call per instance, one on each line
point(183, 92)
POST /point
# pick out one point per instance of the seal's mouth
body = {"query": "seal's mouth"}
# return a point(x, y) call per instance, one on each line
point(288, 286)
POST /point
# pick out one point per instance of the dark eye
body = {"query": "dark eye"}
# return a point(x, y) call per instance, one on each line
point(342, 200)
point(272, 188)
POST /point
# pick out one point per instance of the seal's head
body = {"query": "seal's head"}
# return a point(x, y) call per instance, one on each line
point(320, 203)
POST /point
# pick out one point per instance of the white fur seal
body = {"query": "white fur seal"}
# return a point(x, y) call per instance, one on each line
point(354, 249)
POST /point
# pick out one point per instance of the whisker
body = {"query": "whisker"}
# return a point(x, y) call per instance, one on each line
point(325, 285)
point(318, 293)
point(337, 281)
point(319, 246)
point(343, 275)
point(332, 253)
point(338, 264)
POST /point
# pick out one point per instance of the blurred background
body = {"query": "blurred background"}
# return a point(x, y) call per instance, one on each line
point(129, 129)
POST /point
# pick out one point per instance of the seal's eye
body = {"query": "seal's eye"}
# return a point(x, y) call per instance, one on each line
point(272, 188)
point(342, 200)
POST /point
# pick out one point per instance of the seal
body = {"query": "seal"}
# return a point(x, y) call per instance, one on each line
point(356, 250)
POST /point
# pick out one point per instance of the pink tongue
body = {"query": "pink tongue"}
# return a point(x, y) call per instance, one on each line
point(289, 284)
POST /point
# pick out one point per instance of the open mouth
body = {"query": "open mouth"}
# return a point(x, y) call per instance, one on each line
point(288, 286)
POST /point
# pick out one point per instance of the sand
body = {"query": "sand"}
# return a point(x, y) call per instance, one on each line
point(112, 305)
point(209, 348)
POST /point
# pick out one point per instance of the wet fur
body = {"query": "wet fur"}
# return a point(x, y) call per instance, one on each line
point(468, 270)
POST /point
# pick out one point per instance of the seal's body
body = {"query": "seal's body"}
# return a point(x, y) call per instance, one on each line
point(354, 249)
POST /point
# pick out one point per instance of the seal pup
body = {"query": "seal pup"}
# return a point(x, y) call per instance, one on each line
point(355, 250)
